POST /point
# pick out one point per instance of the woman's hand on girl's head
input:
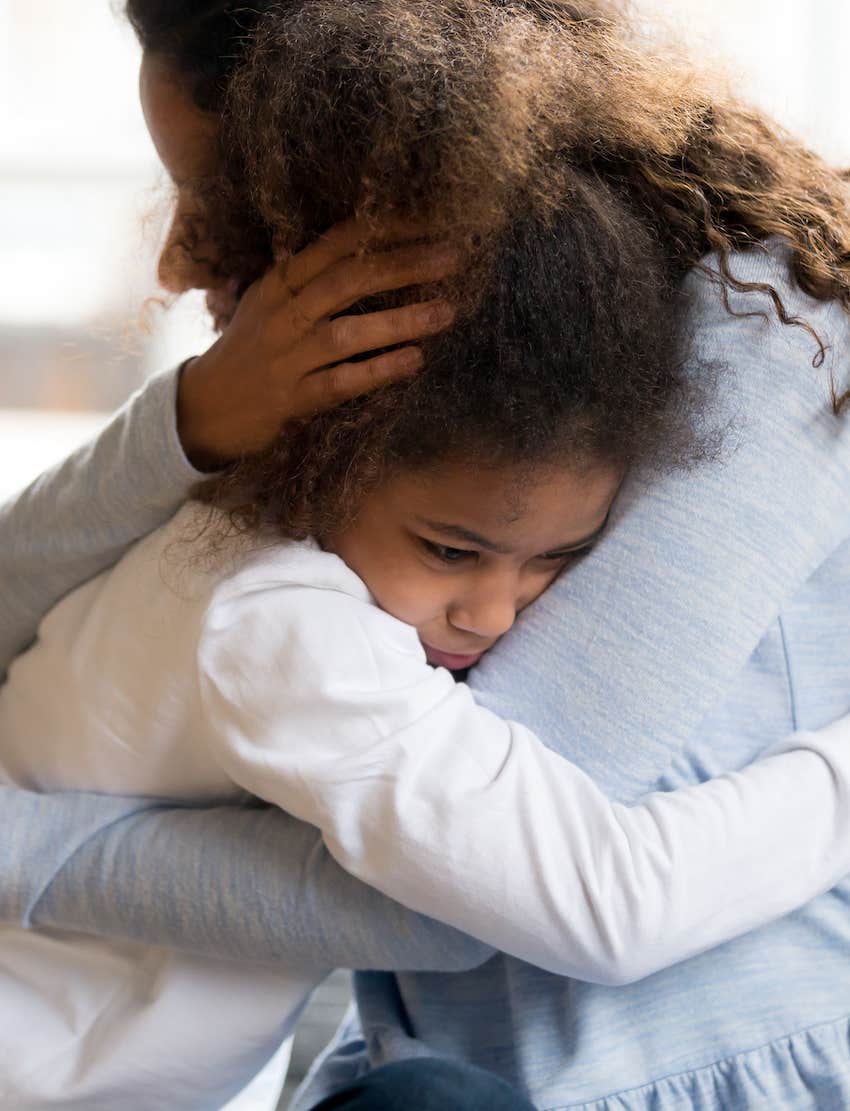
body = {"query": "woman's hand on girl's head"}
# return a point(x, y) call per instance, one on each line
point(286, 353)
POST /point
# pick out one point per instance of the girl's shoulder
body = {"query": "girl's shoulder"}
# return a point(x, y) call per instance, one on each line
point(260, 597)
point(203, 554)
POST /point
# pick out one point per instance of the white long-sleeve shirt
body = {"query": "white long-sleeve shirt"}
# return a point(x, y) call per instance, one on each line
point(268, 668)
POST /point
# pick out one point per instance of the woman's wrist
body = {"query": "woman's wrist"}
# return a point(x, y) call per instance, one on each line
point(198, 419)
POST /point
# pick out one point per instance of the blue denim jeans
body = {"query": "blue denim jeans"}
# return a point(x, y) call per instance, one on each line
point(427, 1084)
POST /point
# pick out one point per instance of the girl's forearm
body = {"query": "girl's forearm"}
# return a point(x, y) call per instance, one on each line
point(500, 837)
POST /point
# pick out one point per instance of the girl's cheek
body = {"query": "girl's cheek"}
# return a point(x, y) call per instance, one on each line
point(537, 586)
point(414, 604)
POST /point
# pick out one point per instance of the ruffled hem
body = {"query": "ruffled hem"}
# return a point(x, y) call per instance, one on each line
point(807, 1071)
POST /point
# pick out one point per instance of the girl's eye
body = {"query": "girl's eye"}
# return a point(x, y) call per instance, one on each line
point(446, 554)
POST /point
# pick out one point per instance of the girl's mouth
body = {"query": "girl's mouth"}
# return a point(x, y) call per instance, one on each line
point(450, 660)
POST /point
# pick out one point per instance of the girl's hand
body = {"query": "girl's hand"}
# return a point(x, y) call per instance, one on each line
point(282, 357)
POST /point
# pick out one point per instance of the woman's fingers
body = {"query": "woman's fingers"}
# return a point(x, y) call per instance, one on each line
point(325, 389)
point(345, 283)
point(340, 242)
point(266, 366)
point(346, 336)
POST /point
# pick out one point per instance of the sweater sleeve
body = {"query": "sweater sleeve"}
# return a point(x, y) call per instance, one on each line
point(237, 882)
point(618, 664)
point(458, 814)
point(78, 518)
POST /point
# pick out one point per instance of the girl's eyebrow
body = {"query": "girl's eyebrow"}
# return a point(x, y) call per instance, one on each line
point(458, 532)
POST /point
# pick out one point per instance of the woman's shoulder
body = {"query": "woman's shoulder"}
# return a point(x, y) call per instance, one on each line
point(779, 353)
point(753, 291)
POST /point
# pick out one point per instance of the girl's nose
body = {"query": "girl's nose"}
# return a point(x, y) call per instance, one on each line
point(487, 614)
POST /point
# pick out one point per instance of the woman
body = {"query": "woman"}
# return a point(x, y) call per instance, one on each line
point(662, 694)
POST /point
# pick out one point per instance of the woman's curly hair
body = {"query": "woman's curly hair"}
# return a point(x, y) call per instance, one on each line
point(585, 171)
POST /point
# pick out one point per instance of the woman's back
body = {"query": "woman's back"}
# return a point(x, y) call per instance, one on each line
point(718, 607)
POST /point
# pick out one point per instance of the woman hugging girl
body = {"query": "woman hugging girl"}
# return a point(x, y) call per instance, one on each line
point(503, 189)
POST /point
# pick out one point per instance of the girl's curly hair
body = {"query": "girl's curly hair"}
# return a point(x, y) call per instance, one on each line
point(543, 370)
point(592, 169)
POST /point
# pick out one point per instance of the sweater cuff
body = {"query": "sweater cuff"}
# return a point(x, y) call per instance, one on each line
point(153, 425)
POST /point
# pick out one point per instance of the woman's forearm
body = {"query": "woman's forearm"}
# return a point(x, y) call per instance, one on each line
point(78, 518)
point(236, 882)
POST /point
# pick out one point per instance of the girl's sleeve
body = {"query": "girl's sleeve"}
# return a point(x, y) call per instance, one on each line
point(468, 818)
point(78, 518)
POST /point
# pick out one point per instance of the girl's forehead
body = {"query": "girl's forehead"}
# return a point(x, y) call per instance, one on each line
point(546, 507)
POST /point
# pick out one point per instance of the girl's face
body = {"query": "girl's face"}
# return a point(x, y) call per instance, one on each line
point(186, 140)
point(458, 551)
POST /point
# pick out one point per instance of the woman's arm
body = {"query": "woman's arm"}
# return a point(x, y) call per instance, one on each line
point(83, 861)
point(79, 517)
point(244, 883)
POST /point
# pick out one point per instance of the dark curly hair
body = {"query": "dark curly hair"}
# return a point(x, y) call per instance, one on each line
point(465, 113)
point(573, 355)
point(584, 172)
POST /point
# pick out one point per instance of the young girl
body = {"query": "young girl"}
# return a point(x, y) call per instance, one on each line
point(496, 870)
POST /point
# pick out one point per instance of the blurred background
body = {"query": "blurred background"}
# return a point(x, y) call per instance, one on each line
point(83, 203)
point(82, 210)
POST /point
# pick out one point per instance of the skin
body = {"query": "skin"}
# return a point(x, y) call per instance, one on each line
point(186, 140)
point(287, 347)
point(458, 552)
